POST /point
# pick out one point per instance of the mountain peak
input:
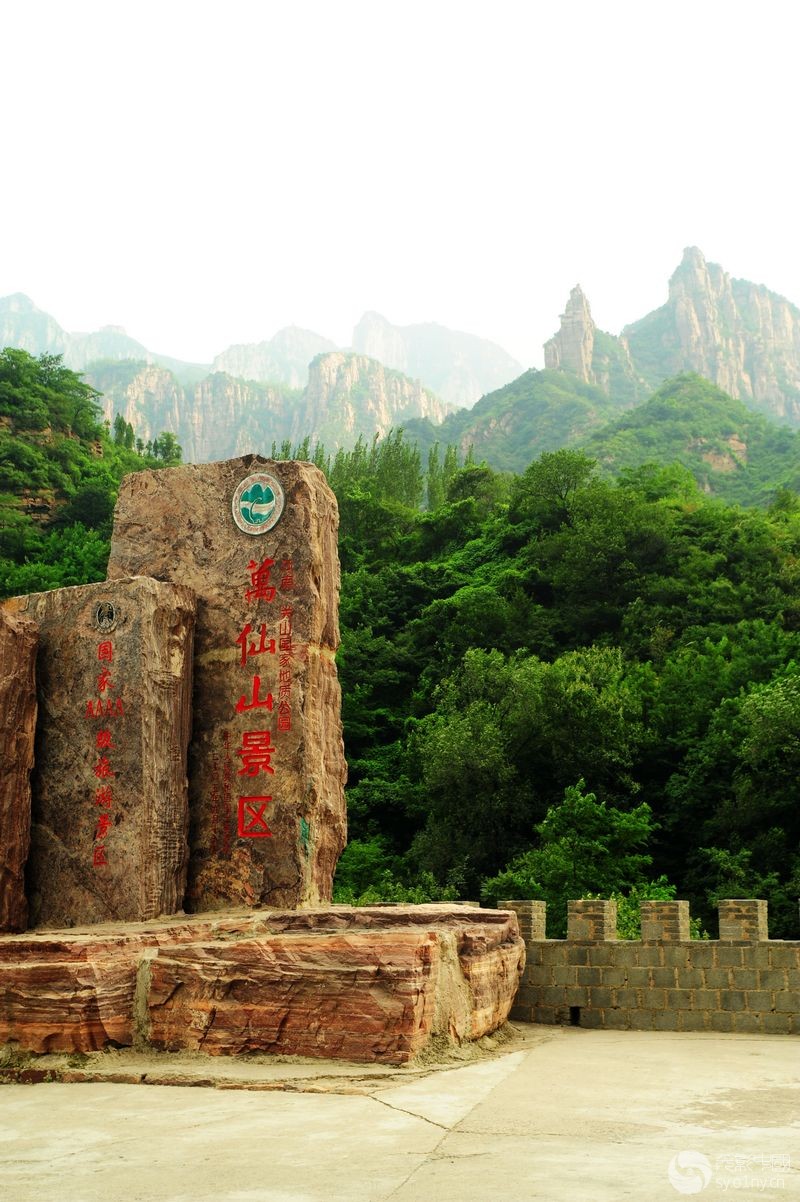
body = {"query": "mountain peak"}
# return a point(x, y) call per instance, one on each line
point(693, 257)
point(457, 366)
point(577, 297)
point(572, 347)
point(18, 302)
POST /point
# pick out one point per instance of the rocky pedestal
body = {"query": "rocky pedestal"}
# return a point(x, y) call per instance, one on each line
point(372, 984)
point(110, 816)
point(18, 639)
point(256, 541)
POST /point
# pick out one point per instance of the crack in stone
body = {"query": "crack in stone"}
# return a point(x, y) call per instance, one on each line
point(411, 1113)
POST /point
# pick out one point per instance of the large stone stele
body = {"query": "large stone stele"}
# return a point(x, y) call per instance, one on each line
point(110, 813)
point(18, 639)
point(266, 763)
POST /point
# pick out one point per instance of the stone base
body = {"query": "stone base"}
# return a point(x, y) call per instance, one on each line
point(365, 984)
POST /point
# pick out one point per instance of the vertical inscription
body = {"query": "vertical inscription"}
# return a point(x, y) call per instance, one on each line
point(108, 707)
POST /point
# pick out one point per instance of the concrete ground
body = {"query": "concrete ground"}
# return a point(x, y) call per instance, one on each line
point(561, 1115)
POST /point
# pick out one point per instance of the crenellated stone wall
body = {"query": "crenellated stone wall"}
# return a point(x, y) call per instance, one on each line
point(666, 981)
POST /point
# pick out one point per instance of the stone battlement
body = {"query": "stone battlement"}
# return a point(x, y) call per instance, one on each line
point(665, 981)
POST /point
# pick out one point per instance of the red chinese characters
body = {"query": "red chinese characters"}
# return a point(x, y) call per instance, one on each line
point(252, 823)
point(286, 651)
point(256, 701)
point(105, 706)
point(256, 751)
point(249, 648)
point(260, 587)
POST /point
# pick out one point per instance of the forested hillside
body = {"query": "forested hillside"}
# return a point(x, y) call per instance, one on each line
point(562, 684)
point(60, 469)
point(731, 452)
point(555, 684)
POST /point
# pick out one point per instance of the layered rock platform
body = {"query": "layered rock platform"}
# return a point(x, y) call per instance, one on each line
point(366, 984)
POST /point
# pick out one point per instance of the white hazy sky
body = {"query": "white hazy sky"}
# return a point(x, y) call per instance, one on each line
point(204, 173)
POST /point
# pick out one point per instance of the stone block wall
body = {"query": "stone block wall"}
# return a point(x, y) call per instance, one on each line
point(742, 982)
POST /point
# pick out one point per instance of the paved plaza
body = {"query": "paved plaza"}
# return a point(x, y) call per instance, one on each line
point(555, 1114)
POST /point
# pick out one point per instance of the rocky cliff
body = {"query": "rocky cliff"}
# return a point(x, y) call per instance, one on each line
point(283, 359)
point(592, 355)
point(571, 348)
point(218, 417)
point(458, 367)
point(740, 335)
point(29, 328)
point(350, 395)
point(347, 395)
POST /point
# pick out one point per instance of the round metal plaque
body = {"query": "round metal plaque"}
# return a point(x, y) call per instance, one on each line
point(105, 616)
point(257, 503)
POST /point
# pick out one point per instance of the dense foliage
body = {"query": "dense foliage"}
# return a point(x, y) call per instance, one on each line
point(565, 683)
point(539, 411)
point(731, 452)
point(60, 470)
point(554, 684)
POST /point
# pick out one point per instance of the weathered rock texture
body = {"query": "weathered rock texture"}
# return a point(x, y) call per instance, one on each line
point(592, 355)
point(346, 396)
point(351, 395)
point(738, 334)
point(18, 639)
point(571, 348)
point(282, 359)
point(266, 764)
point(357, 984)
point(110, 813)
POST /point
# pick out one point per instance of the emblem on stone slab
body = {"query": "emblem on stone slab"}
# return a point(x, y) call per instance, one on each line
point(257, 503)
point(105, 616)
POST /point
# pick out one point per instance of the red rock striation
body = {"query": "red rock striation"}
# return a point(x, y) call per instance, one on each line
point(371, 984)
point(18, 639)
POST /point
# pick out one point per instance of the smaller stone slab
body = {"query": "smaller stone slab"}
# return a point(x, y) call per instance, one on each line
point(373, 984)
point(18, 639)
point(110, 811)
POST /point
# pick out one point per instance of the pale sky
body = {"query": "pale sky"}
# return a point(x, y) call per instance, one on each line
point(204, 173)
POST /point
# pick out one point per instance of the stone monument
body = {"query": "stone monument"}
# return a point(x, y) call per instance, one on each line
point(110, 816)
point(18, 640)
point(255, 540)
point(249, 548)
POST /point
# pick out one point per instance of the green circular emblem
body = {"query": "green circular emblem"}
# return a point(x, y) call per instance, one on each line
point(257, 503)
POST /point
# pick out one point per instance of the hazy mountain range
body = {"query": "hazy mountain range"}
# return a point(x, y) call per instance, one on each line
point(426, 378)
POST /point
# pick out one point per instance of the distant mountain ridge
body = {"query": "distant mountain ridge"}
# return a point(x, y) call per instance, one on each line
point(346, 396)
point(297, 384)
point(28, 328)
point(282, 359)
point(739, 335)
point(294, 385)
point(459, 367)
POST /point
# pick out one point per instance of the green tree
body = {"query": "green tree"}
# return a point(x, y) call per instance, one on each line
point(585, 848)
point(546, 490)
